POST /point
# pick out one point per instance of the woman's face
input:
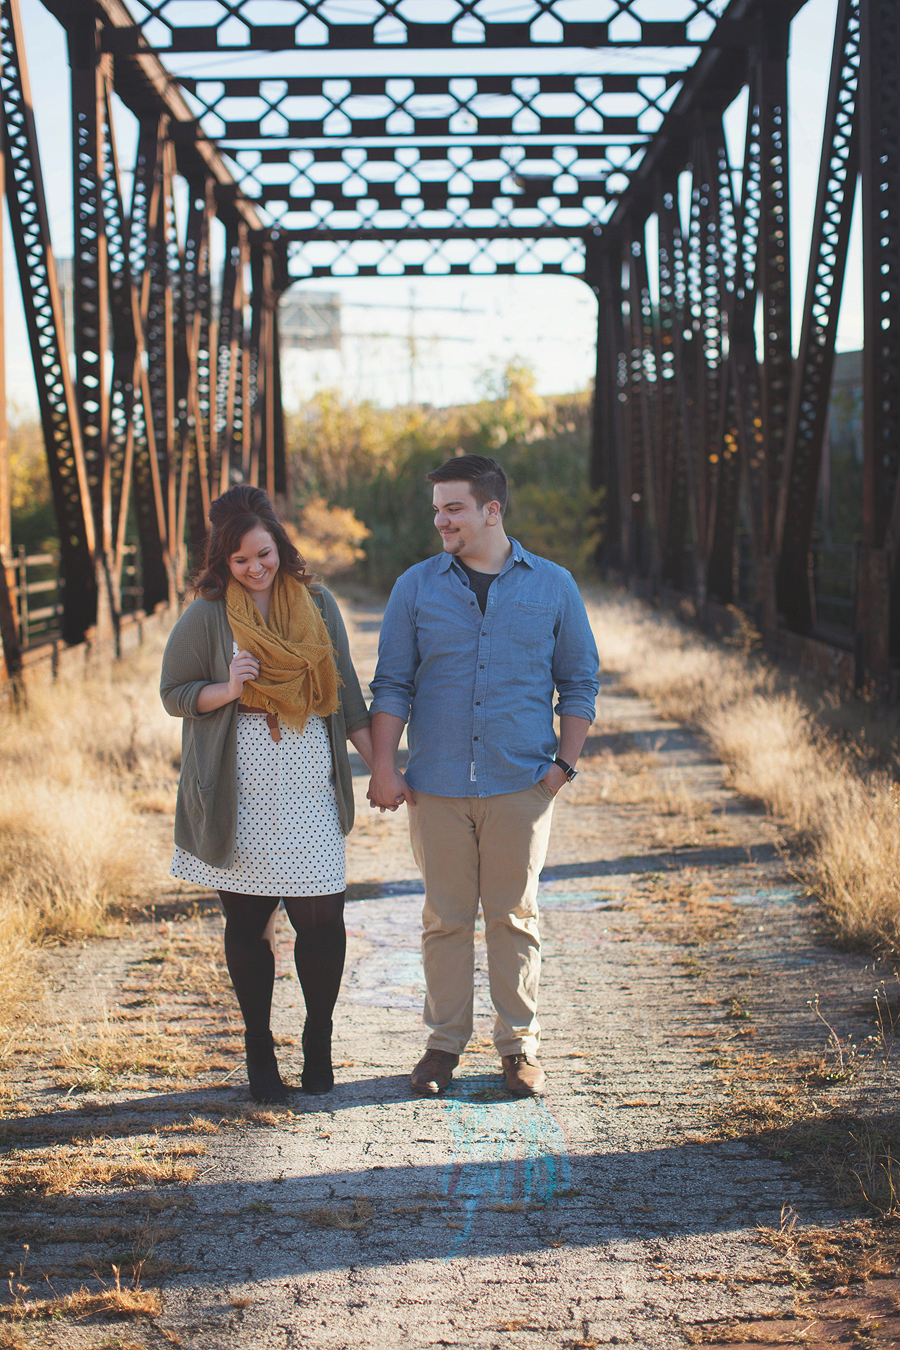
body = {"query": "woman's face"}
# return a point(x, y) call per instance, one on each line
point(256, 561)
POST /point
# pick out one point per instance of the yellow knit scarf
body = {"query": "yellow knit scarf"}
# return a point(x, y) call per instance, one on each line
point(297, 671)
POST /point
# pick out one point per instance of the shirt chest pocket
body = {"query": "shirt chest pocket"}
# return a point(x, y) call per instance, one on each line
point(531, 624)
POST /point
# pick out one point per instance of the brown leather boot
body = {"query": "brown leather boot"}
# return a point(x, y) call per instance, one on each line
point(433, 1072)
point(524, 1075)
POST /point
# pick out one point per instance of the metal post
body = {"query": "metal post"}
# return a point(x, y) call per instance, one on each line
point(604, 475)
point(812, 380)
point(9, 636)
point(44, 318)
point(672, 299)
point(89, 73)
point(148, 488)
point(774, 263)
point(880, 164)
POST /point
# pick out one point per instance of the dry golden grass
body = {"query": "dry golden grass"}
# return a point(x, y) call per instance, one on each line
point(79, 764)
point(842, 814)
point(63, 1171)
point(348, 1218)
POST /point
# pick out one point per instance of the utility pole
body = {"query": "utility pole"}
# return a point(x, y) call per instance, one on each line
point(412, 309)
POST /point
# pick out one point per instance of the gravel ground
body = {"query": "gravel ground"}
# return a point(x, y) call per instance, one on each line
point(613, 1211)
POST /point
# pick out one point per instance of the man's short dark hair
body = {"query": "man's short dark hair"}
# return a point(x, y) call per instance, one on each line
point(485, 476)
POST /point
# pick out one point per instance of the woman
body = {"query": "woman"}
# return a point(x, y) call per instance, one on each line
point(259, 668)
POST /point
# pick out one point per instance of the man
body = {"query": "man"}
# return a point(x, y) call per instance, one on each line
point(473, 643)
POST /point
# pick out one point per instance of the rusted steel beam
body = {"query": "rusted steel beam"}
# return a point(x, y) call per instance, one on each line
point(879, 581)
point(671, 322)
point(644, 426)
point(811, 387)
point(44, 319)
point(148, 90)
point(124, 405)
point(150, 511)
point(90, 73)
point(196, 312)
point(774, 283)
point(723, 445)
point(230, 361)
point(605, 469)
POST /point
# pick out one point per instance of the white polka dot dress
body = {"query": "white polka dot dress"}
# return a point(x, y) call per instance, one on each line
point(289, 837)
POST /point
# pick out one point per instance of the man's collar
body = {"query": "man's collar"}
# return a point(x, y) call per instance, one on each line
point(518, 554)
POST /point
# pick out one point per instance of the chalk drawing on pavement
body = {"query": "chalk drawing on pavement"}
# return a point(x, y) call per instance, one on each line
point(508, 1152)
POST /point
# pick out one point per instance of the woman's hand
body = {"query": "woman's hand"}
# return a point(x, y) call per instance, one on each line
point(244, 667)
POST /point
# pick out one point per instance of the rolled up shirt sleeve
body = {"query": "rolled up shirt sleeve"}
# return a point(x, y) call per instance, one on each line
point(576, 664)
point(394, 682)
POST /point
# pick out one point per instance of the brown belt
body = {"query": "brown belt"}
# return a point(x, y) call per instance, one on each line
point(271, 719)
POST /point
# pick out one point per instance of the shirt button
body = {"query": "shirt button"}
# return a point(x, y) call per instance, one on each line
point(476, 738)
point(478, 703)
point(484, 632)
point(481, 667)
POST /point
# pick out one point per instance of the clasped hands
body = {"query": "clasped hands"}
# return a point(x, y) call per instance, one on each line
point(388, 789)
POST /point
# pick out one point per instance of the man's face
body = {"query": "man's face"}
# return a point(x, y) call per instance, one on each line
point(461, 522)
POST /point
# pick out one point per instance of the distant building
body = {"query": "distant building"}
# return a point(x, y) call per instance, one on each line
point(310, 320)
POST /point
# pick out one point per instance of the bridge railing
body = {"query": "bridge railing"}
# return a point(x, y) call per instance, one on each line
point(36, 591)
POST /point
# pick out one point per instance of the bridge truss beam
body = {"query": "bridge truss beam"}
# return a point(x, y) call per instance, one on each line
point(706, 432)
point(750, 419)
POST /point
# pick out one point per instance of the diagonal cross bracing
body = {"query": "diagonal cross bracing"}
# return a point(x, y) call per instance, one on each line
point(392, 137)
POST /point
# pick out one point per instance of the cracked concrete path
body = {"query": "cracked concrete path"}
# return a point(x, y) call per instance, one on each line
point(609, 1212)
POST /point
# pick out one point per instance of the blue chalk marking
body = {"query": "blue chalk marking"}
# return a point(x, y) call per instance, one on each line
point(506, 1151)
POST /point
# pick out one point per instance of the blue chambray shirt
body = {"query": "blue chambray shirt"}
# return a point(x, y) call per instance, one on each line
point(477, 690)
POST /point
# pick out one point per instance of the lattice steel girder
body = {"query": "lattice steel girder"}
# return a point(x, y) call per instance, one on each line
point(232, 450)
point(774, 255)
point(670, 322)
point(150, 511)
point(148, 90)
point(194, 385)
point(812, 373)
point(414, 24)
point(712, 84)
point(374, 253)
point(432, 105)
point(90, 72)
point(604, 438)
point(124, 417)
point(879, 580)
point(880, 107)
point(44, 319)
point(438, 187)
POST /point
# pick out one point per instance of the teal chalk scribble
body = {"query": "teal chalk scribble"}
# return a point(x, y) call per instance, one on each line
point(507, 1151)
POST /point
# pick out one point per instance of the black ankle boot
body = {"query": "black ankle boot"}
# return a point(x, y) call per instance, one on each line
point(262, 1070)
point(317, 1077)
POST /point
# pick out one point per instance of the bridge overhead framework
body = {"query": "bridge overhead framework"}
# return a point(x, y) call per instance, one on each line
point(708, 429)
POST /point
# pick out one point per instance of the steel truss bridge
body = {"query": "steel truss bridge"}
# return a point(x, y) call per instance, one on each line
point(705, 424)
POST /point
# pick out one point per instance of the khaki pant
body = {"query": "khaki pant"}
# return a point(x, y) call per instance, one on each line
point(491, 848)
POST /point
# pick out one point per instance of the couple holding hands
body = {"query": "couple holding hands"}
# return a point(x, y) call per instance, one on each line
point(473, 644)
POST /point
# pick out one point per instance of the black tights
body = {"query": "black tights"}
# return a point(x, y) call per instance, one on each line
point(319, 949)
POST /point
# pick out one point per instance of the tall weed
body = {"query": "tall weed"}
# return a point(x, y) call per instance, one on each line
point(79, 764)
point(840, 812)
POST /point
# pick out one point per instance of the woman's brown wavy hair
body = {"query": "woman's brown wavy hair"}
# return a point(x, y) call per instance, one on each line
point(238, 510)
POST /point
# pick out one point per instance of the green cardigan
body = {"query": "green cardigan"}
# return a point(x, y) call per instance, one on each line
point(199, 652)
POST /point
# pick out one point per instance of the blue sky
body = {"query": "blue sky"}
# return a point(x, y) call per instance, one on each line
point(478, 324)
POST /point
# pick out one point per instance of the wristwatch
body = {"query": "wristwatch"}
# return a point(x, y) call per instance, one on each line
point(566, 768)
